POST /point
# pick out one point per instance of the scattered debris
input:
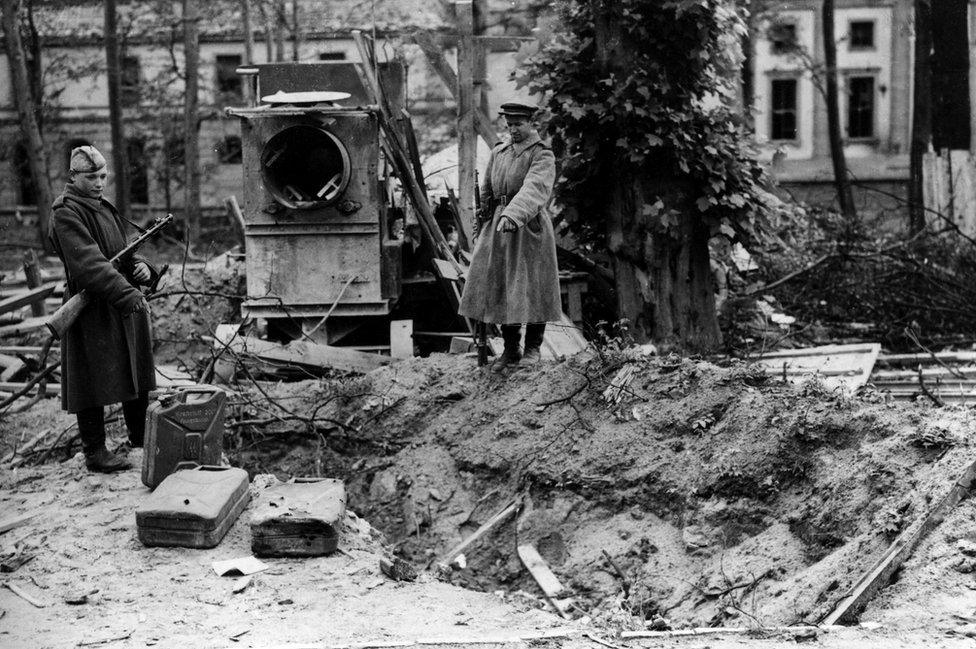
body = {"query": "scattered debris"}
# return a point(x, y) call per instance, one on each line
point(508, 510)
point(398, 569)
point(242, 566)
point(241, 584)
point(543, 576)
point(21, 593)
point(14, 522)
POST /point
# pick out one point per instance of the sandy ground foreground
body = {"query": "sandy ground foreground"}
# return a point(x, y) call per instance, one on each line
point(85, 548)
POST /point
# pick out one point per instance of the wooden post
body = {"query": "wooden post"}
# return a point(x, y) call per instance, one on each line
point(467, 140)
point(32, 271)
point(247, 81)
point(972, 77)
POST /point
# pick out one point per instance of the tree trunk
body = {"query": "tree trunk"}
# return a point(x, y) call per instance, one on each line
point(35, 66)
point(662, 275)
point(921, 114)
point(191, 121)
point(845, 195)
point(119, 154)
point(248, 27)
point(26, 106)
point(296, 31)
point(279, 27)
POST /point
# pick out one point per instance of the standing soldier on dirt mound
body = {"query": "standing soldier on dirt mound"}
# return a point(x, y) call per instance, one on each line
point(106, 354)
point(513, 277)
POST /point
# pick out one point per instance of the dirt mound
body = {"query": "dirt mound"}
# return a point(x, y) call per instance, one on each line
point(721, 496)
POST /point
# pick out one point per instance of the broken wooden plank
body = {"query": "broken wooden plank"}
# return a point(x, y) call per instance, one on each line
point(52, 388)
point(14, 522)
point(505, 512)
point(837, 366)
point(30, 324)
point(302, 353)
point(543, 576)
point(898, 552)
point(31, 443)
point(18, 591)
point(11, 370)
point(25, 298)
point(926, 359)
point(401, 338)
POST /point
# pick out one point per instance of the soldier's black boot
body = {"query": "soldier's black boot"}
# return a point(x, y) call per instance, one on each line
point(512, 335)
point(91, 427)
point(534, 333)
point(134, 413)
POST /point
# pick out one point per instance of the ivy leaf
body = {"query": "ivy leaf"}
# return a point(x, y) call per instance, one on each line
point(653, 140)
point(703, 203)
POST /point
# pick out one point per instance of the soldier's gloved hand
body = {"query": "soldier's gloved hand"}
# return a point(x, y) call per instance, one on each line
point(141, 273)
point(506, 224)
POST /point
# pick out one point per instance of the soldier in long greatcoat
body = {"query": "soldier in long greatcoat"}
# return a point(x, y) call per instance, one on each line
point(513, 279)
point(106, 354)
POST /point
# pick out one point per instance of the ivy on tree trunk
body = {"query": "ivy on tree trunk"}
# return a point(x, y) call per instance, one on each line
point(653, 159)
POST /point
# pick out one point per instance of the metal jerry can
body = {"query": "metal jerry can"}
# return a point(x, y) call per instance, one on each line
point(193, 508)
point(301, 518)
point(182, 432)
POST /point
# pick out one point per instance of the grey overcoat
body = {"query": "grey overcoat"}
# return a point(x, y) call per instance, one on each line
point(106, 357)
point(513, 276)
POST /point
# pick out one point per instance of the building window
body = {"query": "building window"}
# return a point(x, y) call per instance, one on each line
point(861, 35)
point(783, 109)
point(332, 56)
point(130, 79)
point(229, 150)
point(782, 38)
point(229, 85)
point(138, 171)
point(860, 107)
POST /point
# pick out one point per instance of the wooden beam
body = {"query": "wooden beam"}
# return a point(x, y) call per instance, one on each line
point(435, 57)
point(543, 576)
point(30, 296)
point(32, 271)
point(881, 573)
point(467, 150)
point(504, 513)
point(30, 324)
point(299, 352)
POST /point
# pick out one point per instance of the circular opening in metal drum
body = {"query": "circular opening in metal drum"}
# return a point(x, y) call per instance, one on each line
point(305, 167)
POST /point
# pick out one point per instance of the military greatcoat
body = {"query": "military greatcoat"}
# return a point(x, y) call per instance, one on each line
point(106, 355)
point(513, 276)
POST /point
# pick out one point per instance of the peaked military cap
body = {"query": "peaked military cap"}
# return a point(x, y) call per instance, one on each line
point(517, 109)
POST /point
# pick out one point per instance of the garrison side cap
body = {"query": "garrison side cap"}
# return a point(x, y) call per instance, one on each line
point(517, 109)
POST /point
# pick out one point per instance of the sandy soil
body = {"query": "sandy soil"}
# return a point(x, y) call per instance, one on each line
point(708, 496)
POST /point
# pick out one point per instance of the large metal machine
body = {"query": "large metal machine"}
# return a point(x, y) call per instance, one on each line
point(318, 237)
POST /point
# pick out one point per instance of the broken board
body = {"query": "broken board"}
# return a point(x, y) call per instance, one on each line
point(845, 367)
point(299, 352)
point(543, 576)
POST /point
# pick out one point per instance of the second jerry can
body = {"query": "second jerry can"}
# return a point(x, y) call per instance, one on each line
point(183, 432)
point(301, 518)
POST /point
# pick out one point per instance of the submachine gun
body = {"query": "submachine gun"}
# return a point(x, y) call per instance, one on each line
point(65, 316)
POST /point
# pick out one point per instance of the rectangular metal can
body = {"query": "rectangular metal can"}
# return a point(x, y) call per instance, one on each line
point(301, 518)
point(193, 508)
point(183, 432)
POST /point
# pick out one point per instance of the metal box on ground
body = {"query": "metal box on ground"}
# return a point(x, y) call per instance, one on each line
point(193, 508)
point(301, 518)
point(182, 433)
